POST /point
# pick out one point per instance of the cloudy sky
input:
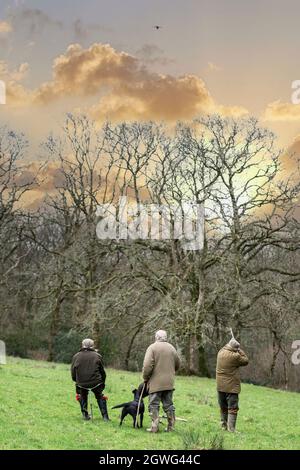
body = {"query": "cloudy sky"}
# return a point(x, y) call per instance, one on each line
point(107, 59)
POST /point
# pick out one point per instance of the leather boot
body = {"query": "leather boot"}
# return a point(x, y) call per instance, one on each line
point(103, 409)
point(232, 417)
point(84, 410)
point(155, 421)
point(224, 418)
point(171, 421)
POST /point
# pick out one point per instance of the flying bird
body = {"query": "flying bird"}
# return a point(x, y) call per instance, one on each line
point(157, 26)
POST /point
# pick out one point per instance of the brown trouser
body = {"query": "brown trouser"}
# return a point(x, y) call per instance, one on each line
point(229, 402)
point(166, 397)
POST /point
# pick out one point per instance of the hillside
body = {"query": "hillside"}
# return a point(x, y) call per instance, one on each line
point(38, 411)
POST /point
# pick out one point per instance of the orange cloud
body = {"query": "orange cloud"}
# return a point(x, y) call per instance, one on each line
point(47, 178)
point(85, 71)
point(16, 94)
point(213, 67)
point(156, 96)
point(5, 27)
point(290, 158)
point(128, 89)
point(278, 111)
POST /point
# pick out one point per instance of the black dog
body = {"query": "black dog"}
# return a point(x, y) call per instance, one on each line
point(131, 407)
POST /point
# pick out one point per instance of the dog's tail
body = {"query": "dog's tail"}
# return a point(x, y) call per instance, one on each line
point(120, 406)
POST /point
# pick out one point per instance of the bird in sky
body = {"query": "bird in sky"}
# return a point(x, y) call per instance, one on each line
point(157, 26)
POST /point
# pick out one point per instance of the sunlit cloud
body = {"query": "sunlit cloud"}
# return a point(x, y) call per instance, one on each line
point(122, 87)
point(129, 89)
point(213, 67)
point(16, 94)
point(278, 111)
point(5, 27)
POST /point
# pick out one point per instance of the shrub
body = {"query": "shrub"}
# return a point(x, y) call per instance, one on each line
point(193, 440)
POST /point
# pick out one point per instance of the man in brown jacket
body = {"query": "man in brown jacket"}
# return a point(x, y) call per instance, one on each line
point(160, 364)
point(229, 359)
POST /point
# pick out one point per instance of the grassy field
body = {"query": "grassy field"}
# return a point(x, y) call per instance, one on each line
point(38, 411)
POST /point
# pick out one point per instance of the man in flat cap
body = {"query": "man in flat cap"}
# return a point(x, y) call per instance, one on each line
point(88, 373)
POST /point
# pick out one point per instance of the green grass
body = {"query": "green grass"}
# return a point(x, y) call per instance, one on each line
point(38, 411)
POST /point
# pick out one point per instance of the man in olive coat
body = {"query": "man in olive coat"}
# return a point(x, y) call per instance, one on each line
point(229, 359)
point(160, 364)
point(88, 373)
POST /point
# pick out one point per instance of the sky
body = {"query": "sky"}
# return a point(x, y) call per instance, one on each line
point(105, 58)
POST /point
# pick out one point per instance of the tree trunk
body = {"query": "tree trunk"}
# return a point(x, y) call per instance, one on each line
point(54, 323)
point(129, 349)
point(196, 364)
point(203, 367)
point(193, 356)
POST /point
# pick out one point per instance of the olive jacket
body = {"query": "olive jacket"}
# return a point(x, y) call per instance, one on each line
point(227, 373)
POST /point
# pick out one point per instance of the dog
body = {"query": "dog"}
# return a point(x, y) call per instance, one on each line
point(131, 407)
